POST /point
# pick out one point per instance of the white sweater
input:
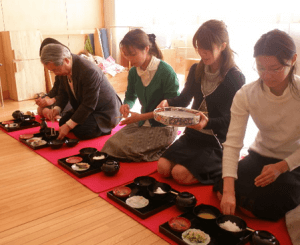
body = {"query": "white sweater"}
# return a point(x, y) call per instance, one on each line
point(277, 119)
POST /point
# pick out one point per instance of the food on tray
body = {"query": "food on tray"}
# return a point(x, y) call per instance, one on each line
point(39, 143)
point(179, 224)
point(12, 125)
point(7, 122)
point(26, 136)
point(99, 157)
point(159, 191)
point(230, 226)
point(206, 216)
point(80, 166)
point(34, 139)
point(195, 237)
point(73, 159)
point(122, 191)
point(137, 201)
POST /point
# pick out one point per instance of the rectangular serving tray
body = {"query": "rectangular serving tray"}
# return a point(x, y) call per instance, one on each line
point(79, 174)
point(152, 208)
point(32, 146)
point(217, 238)
point(24, 125)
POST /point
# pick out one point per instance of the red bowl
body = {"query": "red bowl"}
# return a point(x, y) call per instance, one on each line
point(122, 191)
point(179, 224)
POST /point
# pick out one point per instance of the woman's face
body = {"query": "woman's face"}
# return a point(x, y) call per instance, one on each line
point(212, 57)
point(273, 74)
point(136, 57)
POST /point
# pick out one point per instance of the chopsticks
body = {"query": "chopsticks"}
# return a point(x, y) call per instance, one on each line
point(52, 127)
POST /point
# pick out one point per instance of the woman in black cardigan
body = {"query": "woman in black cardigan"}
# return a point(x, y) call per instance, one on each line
point(197, 155)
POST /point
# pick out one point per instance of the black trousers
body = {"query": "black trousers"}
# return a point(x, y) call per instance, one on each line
point(88, 130)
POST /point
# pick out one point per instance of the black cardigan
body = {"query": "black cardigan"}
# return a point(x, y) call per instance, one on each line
point(218, 103)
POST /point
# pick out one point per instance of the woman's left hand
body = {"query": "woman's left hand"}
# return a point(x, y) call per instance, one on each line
point(270, 173)
point(135, 117)
point(202, 122)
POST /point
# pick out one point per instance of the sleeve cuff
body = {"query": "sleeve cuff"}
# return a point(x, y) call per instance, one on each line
point(71, 124)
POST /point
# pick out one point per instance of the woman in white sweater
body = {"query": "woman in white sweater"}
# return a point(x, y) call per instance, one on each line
point(266, 183)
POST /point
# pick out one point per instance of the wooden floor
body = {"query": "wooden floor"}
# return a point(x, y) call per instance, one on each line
point(40, 204)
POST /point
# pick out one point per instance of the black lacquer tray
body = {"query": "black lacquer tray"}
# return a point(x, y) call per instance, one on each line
point(217, 237)
point(36, 147)
point(79, 174)
point(29, 122)
point(152, 208)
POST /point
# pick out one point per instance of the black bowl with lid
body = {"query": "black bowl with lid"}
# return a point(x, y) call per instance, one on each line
point(110, 167)
point(263, 238)
point(185, 201)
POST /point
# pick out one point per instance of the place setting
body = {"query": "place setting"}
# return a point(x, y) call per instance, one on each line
point(205, 225)
point(90, 161)
point(46, 137)
point(146, 196)
point(20, 121)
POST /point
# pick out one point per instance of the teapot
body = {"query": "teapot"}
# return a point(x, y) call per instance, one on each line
point(110, 167)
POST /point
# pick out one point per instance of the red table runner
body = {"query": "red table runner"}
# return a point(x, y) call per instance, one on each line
point(205, 195)
point(97, 182)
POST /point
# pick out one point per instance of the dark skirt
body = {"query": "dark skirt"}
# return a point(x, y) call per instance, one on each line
point(200, 153)
point(273, 201)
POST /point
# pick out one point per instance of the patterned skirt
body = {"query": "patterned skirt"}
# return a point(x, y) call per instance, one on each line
point(138, 144)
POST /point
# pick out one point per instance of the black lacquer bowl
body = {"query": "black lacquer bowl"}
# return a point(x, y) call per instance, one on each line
point(158, 190)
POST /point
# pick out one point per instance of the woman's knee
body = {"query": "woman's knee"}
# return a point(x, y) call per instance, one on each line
point(164, 167)
point(183, 176)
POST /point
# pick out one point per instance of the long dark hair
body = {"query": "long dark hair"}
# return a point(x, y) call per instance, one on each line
point(279, 44)
point(209, 33)
point(137, 38)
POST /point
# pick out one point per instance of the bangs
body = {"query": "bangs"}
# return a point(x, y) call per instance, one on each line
point(205, 39)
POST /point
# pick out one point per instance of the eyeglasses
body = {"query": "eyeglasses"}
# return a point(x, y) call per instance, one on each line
point(271, 72)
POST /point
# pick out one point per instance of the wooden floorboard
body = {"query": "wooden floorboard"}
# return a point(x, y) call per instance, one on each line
point(40, 204)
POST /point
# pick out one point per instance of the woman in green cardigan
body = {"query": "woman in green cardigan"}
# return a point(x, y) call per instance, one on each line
point(151, 80)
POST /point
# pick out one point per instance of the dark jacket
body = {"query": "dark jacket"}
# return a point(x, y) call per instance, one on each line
point(94, 95)
point(218, 103)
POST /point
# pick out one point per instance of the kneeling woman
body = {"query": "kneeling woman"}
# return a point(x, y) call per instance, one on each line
point(266, 183)
point(197, 155)
point(151, 80)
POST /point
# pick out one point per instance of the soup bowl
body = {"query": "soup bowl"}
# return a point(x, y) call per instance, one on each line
point(207, 214)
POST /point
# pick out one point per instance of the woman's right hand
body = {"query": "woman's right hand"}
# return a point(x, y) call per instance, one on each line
point(125, 110)
point(162, 104)
point(228, 203)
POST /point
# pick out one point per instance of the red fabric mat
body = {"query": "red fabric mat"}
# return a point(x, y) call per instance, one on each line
point(204, 194)
point(97, 182)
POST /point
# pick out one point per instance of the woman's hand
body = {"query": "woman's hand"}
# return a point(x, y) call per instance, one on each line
point(202, 122)
point(270, 173)
point(125, 110)
point(163, 103)
point(135, 117)
point(228, 202)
